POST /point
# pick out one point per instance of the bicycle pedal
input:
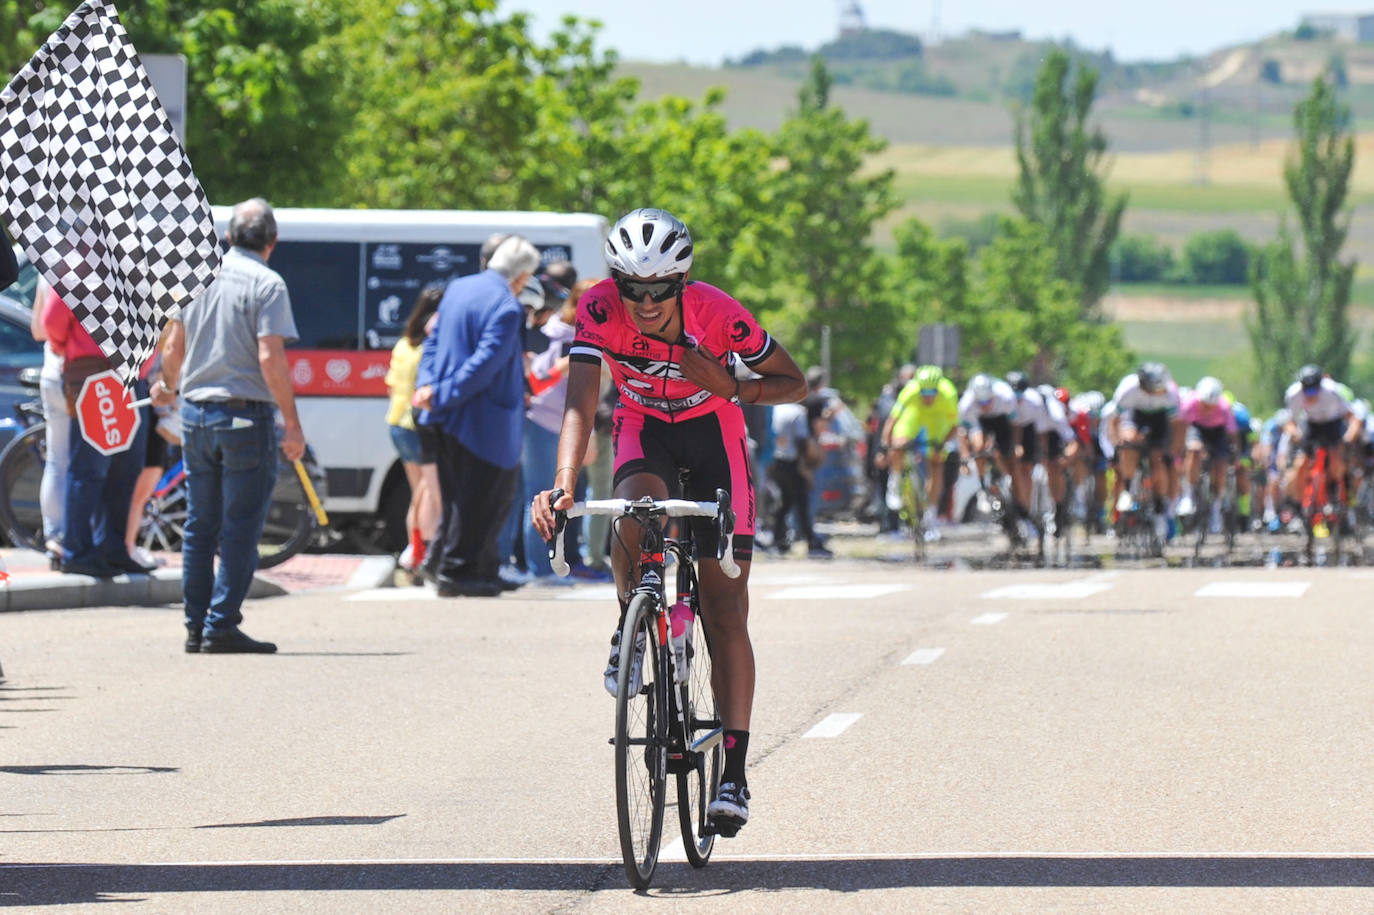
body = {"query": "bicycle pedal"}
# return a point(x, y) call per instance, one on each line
point(725, 827)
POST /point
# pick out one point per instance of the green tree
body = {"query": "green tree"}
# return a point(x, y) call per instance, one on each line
point(1219, 257)
point(823, 209)
point(262, 105)
point(1301, 286)
point(1061, 184)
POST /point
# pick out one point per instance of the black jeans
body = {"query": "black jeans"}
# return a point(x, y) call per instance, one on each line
point(793, 492)
point(477, 499)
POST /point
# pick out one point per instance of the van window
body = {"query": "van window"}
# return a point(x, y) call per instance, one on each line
point(322, 279)
point(395, 275)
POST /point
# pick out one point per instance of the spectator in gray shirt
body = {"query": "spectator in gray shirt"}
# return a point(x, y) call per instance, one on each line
point(229, 350)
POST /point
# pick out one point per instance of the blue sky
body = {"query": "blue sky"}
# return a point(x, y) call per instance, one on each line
point(707, 31)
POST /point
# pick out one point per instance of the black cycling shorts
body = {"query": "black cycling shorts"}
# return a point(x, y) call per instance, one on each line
point(1329, 433)
point(1154, 423)
point(1214, 438)
point(998, 428)
point(712, 448)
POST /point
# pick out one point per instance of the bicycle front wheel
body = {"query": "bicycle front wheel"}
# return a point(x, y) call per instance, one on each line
point(641, 736)
point(21, 477)
point(697, 788)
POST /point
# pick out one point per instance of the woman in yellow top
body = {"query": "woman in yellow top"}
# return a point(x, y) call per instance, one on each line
point(415, 445)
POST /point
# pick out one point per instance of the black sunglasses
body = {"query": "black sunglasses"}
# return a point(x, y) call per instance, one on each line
point(658, 290)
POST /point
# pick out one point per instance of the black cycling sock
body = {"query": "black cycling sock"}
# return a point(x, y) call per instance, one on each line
point(736, 746)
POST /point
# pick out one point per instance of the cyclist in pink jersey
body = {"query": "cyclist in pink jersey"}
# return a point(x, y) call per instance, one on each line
point(669, 344)
point(1210, 428)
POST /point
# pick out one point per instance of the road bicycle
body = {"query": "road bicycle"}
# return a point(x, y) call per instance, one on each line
point(996, 493)
point(1139, 526)
point(1323, 509)
point(669, 724)
point(913, 493)
point(1225, 502)
point(291, 522)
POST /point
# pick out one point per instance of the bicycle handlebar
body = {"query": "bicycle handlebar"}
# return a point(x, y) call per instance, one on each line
point(672, 508)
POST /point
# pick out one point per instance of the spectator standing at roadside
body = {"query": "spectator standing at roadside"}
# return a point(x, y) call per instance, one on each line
point(154, 463)
point(52, 488)
point(547, 377)
point(793, 457)
point(228, 350)
point(471, 387)
point(422, 516)
point(99, 486)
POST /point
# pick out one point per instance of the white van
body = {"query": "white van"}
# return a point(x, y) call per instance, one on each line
point(353, 276)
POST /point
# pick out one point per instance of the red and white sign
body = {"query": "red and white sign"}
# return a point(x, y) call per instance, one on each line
point(339, 373)
point(104, 412)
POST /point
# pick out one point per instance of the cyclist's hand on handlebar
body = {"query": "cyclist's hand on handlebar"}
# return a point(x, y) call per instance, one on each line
point(293, 443)
point(541, 513)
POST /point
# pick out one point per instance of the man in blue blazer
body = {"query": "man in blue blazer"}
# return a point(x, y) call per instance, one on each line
point(470, 386)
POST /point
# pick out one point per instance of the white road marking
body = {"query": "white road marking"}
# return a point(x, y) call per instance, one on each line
point(1063, 590)
point(833, 725)
point(394, 594)
point(605, 593)
point(924, 656)
point(988, 619)
point(783, 577)
point(1253, 589)
point(674, 850)
point(837, 592)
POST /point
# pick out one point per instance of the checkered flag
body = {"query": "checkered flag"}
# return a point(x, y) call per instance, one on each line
point(98, 190)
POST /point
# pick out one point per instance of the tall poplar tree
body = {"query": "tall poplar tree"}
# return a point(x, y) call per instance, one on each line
point(1062, 185)
point(1301, 286)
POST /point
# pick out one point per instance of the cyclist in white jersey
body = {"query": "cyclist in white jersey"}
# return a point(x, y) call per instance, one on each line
point(1146, 410)
point(1319, 414)
point(985, 415)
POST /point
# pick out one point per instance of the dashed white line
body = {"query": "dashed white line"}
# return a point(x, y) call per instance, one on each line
point(400, 595)
point(833, 725)
point(924, 656)
point(1064, 590)
point(837, 592)
point(988, 619)
point(1253, 589)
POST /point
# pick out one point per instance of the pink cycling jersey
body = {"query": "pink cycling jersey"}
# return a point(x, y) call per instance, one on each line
point(646, 370)
point(1196, 413)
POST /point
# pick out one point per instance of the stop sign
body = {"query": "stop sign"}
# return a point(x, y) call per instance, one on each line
point(108, 422)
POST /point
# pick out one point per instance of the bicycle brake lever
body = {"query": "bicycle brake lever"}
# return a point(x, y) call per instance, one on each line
point(725, 535)
point(560, 521)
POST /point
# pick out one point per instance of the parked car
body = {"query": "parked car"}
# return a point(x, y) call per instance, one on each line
point(18, 349)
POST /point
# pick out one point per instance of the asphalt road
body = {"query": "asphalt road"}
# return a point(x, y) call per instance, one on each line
point(1166, 739)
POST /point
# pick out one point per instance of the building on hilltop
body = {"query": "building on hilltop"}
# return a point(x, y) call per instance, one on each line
point(852, 19)
point(1354, 27)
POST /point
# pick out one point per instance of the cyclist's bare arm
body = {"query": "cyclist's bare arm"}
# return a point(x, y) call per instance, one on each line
point(584, 387)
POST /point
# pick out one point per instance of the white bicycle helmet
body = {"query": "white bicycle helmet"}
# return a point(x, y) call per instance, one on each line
point(981, 386)
point(648, 243)
point(1209, 390)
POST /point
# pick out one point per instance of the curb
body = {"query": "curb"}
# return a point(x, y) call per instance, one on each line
point(71, 592)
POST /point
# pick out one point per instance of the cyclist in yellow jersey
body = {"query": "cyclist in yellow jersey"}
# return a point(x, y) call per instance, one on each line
point(929, 403)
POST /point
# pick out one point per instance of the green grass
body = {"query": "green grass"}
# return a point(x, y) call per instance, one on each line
point(1181, 291)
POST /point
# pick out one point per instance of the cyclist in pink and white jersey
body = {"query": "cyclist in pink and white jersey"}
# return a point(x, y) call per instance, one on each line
point(1211, 427)
point(669, 344)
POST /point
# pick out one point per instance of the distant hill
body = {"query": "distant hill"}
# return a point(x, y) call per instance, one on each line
point(960, 91)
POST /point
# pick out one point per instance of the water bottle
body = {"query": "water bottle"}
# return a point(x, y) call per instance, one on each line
point(682, 619)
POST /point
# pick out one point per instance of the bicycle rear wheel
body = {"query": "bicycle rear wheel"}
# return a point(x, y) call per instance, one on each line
point(697, 788)
point(21, 476)
point(290, 519)
point(641, 734)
